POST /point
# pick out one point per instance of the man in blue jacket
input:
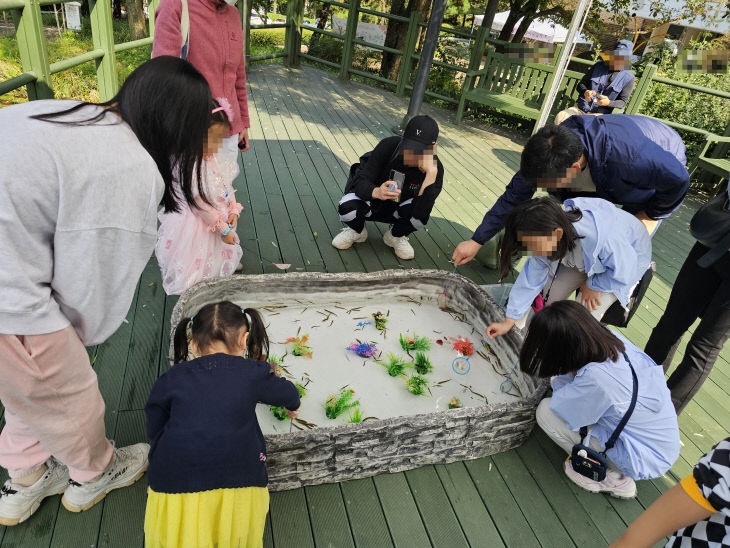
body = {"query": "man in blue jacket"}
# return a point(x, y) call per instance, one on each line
point(633, 161)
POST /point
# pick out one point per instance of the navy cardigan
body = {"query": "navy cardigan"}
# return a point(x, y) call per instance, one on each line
point(201, 422)
point(635, 161)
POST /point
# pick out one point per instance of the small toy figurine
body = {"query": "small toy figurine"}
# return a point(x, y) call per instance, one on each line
point(301, 348)
point(454, 403)
point(380, 321)
point(338, 404)
point(395, 365)
point(416, 385)
point(414, 342)
point(363, 349)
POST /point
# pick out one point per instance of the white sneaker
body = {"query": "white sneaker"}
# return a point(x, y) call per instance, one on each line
point(348, 236)
point(615, 483)
point(129, 465)
point(400, 245)
point(18, 503)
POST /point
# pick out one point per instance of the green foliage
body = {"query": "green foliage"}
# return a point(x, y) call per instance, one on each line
point(395, 365)
point(422, 364)
point(356, 415)
point(326, 47)
point(380, 321)
point(268, 37)
point(454, 403)
point(338, 404)
point(414, 342)
point(417, 385)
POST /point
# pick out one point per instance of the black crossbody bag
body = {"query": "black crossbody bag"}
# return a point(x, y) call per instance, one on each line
point(591, 463)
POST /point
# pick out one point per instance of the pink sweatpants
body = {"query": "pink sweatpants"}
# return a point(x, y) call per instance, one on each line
point(52, 406)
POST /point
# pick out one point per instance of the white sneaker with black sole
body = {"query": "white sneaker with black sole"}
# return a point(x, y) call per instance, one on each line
point(402, 248)
point(18, 503)
point(130, 464)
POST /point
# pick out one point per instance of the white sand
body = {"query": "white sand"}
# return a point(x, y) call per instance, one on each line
point(380, 395)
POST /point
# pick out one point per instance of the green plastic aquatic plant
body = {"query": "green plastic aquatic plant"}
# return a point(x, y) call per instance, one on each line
point(417, 385)
point(454, 403)
point(414, 342)
point(278, 410)
point(338, 404)
point(275, 363)
point(380, 321)
point(422, 364)
point(356, 415)
point(300, 346)
point(395, 365)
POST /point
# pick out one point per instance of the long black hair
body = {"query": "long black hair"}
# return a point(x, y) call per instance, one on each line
point(167, 104)
point(539, 216)
point(563, 337)
point(223, 322)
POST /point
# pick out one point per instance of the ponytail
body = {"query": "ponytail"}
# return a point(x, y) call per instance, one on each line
point(180, 341)
point(258, 340)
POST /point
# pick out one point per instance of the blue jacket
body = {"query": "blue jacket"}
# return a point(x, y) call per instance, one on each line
point(600, 394)
point(616, 253)
point(635, 161)
point(604, 81)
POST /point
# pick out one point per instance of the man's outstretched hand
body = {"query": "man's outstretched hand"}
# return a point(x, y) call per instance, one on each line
point(465, 252)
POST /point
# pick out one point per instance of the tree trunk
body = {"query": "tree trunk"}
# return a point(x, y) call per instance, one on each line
point(489, 13)
point(275, 7)
point(512, 18)
point(395, 37)
point(135, 17)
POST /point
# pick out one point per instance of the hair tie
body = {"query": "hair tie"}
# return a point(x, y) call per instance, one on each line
point(225, 106)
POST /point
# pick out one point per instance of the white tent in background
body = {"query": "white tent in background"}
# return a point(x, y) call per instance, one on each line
point(541, 30)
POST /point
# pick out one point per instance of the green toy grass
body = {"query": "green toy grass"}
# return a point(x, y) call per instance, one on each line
point(414, 342)
point(356, 415)
point(417, 385)
point(279, 411)
point(336, 405)
point(395, 365)
point(422, 364)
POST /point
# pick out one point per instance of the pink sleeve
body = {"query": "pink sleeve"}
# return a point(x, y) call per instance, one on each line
point(167, 40)
point(234, 208)
point(241, 93)
point(213, 217)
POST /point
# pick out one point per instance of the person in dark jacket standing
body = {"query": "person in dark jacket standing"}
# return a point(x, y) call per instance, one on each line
point(633, 161)
point(606, 86)
point(396, 183)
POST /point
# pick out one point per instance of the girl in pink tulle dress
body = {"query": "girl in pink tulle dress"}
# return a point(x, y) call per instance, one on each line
point(200, 243)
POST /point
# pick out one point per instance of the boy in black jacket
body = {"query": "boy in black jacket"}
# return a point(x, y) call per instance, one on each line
point(396, 183)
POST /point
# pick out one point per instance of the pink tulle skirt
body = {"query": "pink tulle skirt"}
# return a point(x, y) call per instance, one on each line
point(188, 252)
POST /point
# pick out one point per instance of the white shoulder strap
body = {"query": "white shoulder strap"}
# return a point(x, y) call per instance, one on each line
point(184, 30)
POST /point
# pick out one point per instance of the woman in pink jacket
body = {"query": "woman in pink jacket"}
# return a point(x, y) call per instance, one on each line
point(215, 48)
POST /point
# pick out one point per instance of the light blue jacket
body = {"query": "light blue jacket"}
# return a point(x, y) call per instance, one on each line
point(600, 394)
point(616, 253)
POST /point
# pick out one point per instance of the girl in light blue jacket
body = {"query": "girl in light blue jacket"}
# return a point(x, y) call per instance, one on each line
point(591, 246)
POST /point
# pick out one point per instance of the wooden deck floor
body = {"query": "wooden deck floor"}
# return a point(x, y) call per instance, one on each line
point(307, 128)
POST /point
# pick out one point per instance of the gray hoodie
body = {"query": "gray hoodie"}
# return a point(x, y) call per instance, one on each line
point(78, 221)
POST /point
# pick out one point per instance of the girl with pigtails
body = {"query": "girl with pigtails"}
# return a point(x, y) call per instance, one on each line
point(207, 471)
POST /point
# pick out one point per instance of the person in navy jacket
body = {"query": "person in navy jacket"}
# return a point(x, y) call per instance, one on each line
point(633, 161)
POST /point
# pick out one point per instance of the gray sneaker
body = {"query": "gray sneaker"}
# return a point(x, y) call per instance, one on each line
point(128, 466)
point(18, 503)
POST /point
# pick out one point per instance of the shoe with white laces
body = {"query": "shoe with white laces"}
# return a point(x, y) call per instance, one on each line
point(130, 464)
point(18, 503)
point(400, 245)
point(615, 483)
point(348, 236)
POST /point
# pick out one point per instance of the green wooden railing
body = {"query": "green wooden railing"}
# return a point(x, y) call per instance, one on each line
point(37, 70)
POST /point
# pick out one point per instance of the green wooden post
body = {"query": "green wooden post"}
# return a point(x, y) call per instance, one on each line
point(409, 48)
point(151, 8)
point(33, 49)
point(641, 89)
point(245, 9)
point(353, 16)
point(480, 40)
point(294, 18)
point(102, 33)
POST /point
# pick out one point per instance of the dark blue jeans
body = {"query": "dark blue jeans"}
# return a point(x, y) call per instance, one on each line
point(697, 293)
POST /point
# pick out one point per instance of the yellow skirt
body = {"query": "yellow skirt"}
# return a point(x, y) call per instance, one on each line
point(223, 518)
